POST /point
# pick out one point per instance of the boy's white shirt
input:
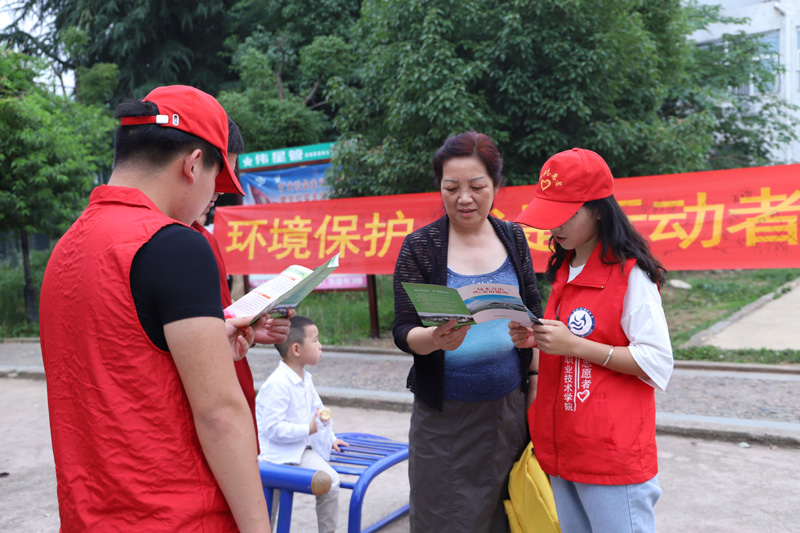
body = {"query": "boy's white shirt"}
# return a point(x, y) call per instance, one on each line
point(645, 325)
point(284, 405)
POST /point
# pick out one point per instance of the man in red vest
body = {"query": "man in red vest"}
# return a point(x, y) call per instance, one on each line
point(275, 330)
point(150, 428)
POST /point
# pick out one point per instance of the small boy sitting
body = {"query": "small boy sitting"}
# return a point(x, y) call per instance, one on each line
point(290, 430)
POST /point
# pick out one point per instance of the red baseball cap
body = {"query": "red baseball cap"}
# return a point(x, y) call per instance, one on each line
point(568, 180)
point(198, 113)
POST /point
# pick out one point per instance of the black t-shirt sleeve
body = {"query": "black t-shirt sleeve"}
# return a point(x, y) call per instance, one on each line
point(174, 276)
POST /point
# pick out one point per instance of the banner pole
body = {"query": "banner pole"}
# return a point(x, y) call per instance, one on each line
point(372, 295)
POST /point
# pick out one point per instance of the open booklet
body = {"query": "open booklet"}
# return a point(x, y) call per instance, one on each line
point(471, 304)
point(282, 292)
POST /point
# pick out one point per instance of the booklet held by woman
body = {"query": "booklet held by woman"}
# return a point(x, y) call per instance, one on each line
point(471, 304)
point(282, 292)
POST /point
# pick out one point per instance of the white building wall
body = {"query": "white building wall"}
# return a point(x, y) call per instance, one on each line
point(767, 16)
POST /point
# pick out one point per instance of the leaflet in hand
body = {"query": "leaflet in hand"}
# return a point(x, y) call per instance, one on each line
point(282, 292)
point(471, 304)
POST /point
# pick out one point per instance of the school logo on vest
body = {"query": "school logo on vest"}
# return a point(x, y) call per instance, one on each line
point(581, 322)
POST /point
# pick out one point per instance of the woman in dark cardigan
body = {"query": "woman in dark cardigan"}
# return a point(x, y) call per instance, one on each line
point(468, 423)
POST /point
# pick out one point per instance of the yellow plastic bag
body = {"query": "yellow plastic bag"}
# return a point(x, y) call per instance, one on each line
point(531, 508)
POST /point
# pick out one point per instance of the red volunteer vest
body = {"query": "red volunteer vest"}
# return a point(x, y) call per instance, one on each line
point(243, 372)
point(590, 424)
point(126, 450)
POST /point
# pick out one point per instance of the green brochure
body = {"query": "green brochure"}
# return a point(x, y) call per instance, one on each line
point(471, 304)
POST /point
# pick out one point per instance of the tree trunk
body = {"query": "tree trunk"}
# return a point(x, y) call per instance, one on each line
point(313, 91)
point(279, 73)
point(279, 77)
point(77, 85)
point(28, 291)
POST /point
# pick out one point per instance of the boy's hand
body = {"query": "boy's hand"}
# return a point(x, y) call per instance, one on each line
point(325, 416)
point(312, 426)
point(337, 443)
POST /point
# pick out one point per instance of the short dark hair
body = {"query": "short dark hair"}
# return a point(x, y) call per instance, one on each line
point(470, 144)
point(153, 144)
point(235, 141)
point(297, 334)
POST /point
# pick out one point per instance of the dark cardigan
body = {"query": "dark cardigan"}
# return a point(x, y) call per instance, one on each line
point(423, 259)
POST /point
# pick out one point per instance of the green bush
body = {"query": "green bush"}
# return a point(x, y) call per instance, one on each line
point(344, 319)
point(343, 316)
point(760, 356)
point(13, 316)
point(12, 306)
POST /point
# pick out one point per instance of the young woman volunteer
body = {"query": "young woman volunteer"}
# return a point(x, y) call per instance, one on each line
point(604, 346)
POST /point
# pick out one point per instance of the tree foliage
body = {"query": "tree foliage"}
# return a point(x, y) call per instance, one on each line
point(391, 79)
point(420, 81)
point(283, 28)
point(541, 76)
point(50, 151)
point(268, 118)
point(152, 42)
point(732, 81)
point(284, 62)
point(96, 83)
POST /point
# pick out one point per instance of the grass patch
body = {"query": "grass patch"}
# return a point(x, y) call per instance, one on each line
point(13, 315)
point(710, 353)
point(343, 316)
point(715, 294)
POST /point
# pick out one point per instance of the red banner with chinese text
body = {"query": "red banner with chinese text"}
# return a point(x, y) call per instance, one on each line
point(742, 218)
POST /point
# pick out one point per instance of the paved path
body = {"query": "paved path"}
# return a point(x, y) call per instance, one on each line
point(738, 402)
point(754, 403)
point(771, 322)
point(728, 435)
point(709, 486)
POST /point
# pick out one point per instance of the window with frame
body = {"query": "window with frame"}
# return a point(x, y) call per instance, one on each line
point(772, 59)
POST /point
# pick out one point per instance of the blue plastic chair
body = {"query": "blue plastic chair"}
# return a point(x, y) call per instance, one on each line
point(366, 457)
point(288, 480)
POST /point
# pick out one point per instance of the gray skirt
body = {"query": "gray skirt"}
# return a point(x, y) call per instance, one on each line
point(459, 462)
